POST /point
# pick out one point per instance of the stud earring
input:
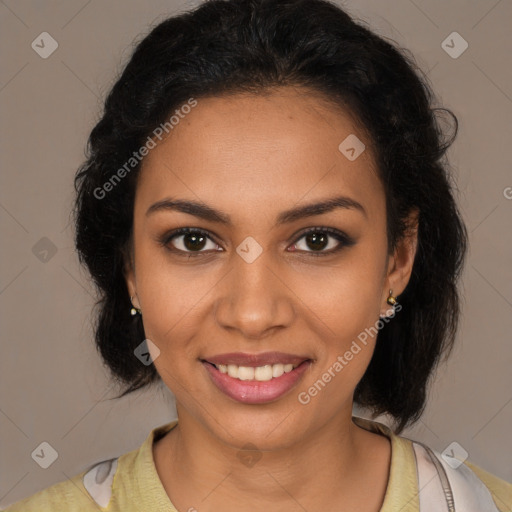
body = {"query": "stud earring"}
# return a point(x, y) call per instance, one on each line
point(391, 300)
point(135, 310)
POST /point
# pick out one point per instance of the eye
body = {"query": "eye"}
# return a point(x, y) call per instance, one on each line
point(189, 241)
point(318, 239)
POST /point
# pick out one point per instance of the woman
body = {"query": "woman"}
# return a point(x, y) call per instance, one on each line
point(267, 215)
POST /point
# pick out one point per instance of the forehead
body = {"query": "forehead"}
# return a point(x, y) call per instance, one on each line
point(245, 152)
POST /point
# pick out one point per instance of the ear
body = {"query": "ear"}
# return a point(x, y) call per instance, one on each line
point(129, 274)
point(400, 263)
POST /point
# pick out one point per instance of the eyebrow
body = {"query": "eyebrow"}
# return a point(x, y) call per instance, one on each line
point(203, 211)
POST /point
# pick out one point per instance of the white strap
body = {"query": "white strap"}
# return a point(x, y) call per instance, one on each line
point(431, 495)
point(464, 491)
point(98, 481)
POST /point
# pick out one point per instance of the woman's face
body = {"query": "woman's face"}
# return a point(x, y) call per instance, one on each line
point(255, 283)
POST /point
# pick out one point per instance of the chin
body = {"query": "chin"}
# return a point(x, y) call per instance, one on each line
point(268, 427)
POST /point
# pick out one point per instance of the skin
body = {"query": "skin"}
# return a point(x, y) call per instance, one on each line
point(253, 157)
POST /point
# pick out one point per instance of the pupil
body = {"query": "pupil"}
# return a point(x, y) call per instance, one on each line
point(318, 241)
point(193, 241)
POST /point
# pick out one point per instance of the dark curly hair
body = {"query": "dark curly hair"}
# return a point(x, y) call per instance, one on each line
point(250, 46)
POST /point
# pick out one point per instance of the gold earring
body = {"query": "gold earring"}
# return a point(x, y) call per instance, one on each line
point(134, 310)
point(391, 300)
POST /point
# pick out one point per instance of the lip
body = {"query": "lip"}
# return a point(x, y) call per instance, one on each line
point(254, 391)
point(254, 360)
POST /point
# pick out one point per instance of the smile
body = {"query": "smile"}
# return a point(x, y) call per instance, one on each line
point(256, 384)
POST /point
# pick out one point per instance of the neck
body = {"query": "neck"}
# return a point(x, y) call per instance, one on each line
point(326, 466)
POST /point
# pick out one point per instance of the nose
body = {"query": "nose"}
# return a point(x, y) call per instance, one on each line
point(254, 299)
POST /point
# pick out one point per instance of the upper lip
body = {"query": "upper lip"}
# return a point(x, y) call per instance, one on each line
point(261, 359)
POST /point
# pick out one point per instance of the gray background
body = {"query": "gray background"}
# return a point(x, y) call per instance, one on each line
point(53, 386)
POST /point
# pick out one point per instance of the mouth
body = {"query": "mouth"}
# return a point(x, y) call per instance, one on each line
point(245, 379)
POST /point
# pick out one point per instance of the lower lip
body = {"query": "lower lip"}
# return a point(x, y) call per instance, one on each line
point(255, 391)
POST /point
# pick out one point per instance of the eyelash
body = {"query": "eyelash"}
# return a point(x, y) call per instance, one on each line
point(344, 239)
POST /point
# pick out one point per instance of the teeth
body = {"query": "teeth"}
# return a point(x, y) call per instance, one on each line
point(261, 373)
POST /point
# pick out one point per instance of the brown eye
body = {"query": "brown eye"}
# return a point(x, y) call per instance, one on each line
point(189, 240)
point(322, 241)
point(317, 241)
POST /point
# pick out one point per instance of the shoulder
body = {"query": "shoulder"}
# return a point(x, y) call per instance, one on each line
point(444, 478)
point(84, 492)
point(114, 483)
point(500, 489)
point(424, 479)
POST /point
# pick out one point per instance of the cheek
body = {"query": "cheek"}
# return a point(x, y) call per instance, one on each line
point(347, 316)
point(167, 302)
point(351, 311)
point(169, 289)
point(346, 297)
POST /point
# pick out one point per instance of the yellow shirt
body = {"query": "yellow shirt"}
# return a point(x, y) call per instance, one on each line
point(131, 482)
